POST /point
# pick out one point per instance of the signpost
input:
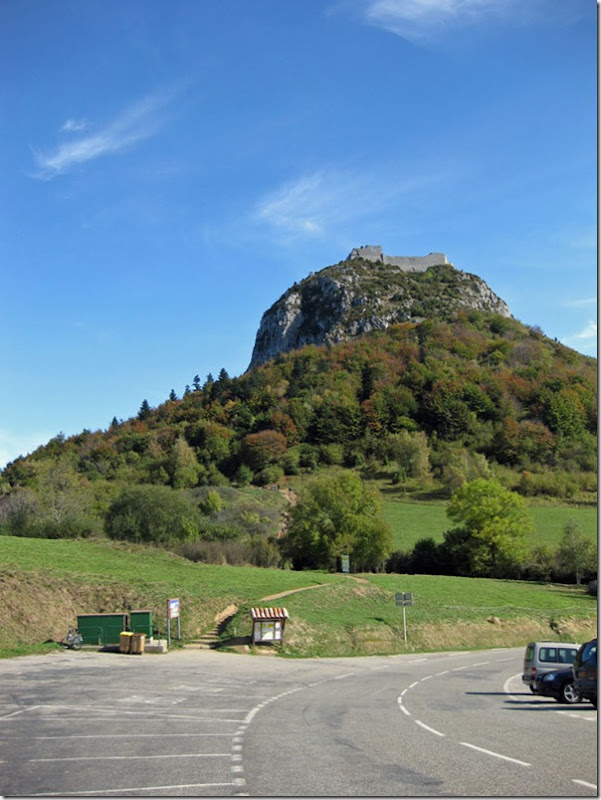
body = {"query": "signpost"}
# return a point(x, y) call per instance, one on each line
point(404, 599)
point(172, 613)
point(345, 563)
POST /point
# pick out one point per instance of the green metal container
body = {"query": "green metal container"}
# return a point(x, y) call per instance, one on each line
point(141, 622)
point(101, 629)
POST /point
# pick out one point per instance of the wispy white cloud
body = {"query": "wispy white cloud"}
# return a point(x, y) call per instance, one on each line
point(423, 20)
point(585, 340)
point(583, 302)
point(138, 122)
point(320, 203)
point(73, 126)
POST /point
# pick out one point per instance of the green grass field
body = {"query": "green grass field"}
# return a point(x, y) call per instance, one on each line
point(413, 521)
point(46, 583)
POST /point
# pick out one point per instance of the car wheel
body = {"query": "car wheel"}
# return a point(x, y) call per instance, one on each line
point(568, 694)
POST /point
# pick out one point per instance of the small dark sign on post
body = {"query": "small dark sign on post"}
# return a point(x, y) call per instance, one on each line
point(404, 599)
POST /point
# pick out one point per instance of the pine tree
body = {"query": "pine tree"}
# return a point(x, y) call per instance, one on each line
point(144, 411)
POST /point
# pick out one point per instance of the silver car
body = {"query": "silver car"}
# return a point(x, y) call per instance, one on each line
point(543, 657)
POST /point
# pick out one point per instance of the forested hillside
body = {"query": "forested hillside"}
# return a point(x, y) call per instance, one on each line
point(480, 403)
point(442, 400)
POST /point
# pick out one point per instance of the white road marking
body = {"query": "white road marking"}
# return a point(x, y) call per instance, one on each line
point(574, 715)
point(119, 735)
point(427, 678)
point(585, 783)
point(428, 728)
point(496, 755)
point(346, 675)
point(444, 672)
point(506, 686)
point(132, 758)
point(130, 789)
point(20, 711)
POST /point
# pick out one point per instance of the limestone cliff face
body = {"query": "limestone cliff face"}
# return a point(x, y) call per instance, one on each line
point(359, 295)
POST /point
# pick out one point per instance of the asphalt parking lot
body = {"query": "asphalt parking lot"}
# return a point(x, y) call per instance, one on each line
point(108, 723)
point(203, 723)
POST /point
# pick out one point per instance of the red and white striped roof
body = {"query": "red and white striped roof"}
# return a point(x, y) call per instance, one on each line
point(269, 613)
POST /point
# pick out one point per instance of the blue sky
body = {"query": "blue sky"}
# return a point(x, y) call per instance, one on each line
point(170, 169)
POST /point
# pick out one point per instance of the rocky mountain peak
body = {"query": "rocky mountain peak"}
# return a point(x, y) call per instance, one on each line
point(368, 291)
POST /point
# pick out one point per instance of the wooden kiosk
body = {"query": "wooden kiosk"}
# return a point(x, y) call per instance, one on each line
point(268, 625)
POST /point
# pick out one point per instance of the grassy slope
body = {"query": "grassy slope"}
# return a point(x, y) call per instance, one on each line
point(44, 584)
point(413, 521)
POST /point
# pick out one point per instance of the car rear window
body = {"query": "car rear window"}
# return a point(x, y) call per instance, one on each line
point(590, 654)
point(557, 655)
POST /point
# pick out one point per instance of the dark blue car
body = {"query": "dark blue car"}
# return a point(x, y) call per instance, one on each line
point(559, 684)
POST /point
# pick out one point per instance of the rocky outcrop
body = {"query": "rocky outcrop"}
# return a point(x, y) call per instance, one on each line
point(360, 295)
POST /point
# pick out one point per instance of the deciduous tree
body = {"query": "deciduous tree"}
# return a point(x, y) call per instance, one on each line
point(493, 525)
point(337, 515)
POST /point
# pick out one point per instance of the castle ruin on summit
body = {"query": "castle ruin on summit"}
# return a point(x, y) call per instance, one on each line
point(407, 263)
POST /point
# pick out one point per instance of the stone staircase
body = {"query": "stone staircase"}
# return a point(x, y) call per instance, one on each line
point(210, 639)
point(207, 641)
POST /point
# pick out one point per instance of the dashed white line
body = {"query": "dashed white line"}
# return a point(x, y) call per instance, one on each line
point(585, 783)
point(577, 716)
point(496, 755)
point(428, 728)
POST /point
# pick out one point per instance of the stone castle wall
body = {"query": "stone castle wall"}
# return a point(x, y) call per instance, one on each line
point(408, 263)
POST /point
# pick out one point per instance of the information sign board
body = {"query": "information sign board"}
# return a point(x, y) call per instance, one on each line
point(173, 608)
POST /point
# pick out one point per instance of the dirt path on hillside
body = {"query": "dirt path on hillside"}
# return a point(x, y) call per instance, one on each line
point(232, 609)
point(305, 588)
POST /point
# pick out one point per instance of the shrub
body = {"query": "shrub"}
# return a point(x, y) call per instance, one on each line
point(269, 475)
point(152, 514)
